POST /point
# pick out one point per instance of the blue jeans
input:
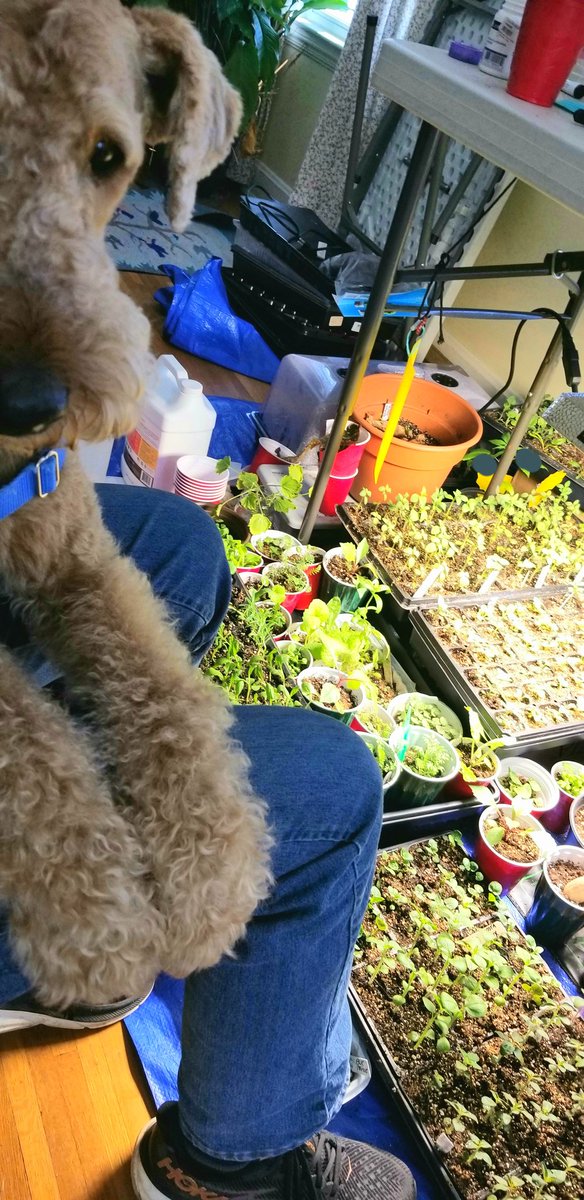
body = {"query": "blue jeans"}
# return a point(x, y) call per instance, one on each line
point(266, 1035)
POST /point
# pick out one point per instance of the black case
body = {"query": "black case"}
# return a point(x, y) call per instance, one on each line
point(295, 235)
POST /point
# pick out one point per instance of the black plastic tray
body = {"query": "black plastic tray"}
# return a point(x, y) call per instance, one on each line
point(452, 681)
point(450, 600)
point(493, 428)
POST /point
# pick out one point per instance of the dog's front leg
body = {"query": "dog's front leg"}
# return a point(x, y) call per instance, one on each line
point(82, 922)
point(184, 782)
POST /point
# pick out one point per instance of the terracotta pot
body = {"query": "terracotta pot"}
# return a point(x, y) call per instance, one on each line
point(409, 468)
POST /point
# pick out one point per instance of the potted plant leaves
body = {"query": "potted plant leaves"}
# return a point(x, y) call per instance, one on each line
point(522, 779)
point(569, 777)
point(558, 904)
point(344, 574)
point(291, 578)
point(331, 692)
point(428, 762)
point(386, 760)
point(272, 545)
point(478, 762)
point(278, 619)
point(427, 712)
point(510, 843)
point(295, 658)
point(310, 559)
point(239, 554)
point(375, 720)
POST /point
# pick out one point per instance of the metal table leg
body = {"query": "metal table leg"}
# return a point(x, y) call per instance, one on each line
point(414, 184)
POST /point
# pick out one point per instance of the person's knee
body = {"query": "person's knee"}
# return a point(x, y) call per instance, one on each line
point(401, 1184)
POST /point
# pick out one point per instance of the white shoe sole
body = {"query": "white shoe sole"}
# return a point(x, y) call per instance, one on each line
point(12, 1020)
point(142, 1185)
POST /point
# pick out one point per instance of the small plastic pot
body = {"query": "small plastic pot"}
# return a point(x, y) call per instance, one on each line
point(288, 543)
point(504, 870)
point(575, 838)
point(269, 451)
point(276, 637)
point(547, 813)
point(460, 789)
point(314, 573)
point(348, 460)
point(566, 800)
point(370, 707)
point(290, 601)
point(253, 570)
point(552, 919)
point(390, 780)
point(399, 704)
point(350, 596)
point(250, 577)
point(337, 677)
point(336, 492)
point(417, 790)
point(283, 644)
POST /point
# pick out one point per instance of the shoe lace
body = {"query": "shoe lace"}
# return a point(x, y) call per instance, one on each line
point(315, 1169)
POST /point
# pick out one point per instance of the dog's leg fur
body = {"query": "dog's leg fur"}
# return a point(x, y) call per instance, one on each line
point(82, 923)
point(183, 782)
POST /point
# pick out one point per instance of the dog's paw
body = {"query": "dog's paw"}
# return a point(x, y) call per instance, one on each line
point(207, 839)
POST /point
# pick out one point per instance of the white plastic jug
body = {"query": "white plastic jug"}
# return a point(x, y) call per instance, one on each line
point(176, 418)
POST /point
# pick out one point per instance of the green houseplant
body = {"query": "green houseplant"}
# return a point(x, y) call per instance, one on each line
point(247, 37)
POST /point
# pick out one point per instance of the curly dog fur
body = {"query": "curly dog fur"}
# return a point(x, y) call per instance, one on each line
point(137, 845)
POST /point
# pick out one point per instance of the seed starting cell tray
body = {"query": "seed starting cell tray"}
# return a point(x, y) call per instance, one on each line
point(434, 656)
point(415, 603)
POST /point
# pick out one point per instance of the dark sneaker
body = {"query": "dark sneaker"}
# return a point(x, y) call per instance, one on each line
point(25, 1011)
point(326, 1168)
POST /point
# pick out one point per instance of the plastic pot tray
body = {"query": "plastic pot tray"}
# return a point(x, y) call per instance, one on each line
point(391, 1078)
point(457, 689)
point(454, 600)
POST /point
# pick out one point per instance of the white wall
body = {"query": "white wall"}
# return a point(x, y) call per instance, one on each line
point(301, 88)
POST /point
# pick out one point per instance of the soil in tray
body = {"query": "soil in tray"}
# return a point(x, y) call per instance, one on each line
point(559, 449)
point(241, 662)
point(563, 874)
point(482, 1041)
point(407, 431)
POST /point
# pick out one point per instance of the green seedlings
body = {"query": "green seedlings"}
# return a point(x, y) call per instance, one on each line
point(427, 713)
point(239, 554)
point(477, 753)
point(540, 435)
point(287, 576)
point(339, 697)
point(261, 503)
point(431, 760)
point(570, 781)
point(519, 787)
point(374, 723)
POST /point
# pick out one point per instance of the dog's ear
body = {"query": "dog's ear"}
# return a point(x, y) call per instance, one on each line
point(189, 104)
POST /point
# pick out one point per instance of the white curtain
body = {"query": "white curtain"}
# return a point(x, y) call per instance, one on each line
point(321, 177)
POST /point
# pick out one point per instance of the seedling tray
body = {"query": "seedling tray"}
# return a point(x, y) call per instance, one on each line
point(494, 428)
point(412, 603)
point(450, 678)
point(392, 1075)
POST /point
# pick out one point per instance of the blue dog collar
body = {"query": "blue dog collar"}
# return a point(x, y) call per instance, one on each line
point(38, 479)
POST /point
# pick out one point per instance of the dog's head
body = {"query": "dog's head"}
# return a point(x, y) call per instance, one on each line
point(83, 87)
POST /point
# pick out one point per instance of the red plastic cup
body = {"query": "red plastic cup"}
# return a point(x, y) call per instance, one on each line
point(336, 492)
point(503, 870)
point(349, 459)
point(550, 39)
point(267, 452)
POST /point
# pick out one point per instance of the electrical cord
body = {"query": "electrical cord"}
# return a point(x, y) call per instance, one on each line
point(570, 357)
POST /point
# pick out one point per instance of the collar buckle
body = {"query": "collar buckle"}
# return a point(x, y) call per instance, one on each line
point(50, 456)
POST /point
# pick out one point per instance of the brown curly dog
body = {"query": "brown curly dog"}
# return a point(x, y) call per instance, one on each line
point(156, 857)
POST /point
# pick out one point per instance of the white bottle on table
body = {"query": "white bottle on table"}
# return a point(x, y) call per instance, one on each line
point(502, 39)
point(176, 418)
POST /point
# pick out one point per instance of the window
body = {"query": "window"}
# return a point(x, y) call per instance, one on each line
point(330, 23)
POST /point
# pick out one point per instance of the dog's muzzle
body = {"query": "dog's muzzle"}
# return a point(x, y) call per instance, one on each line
point(31, 399)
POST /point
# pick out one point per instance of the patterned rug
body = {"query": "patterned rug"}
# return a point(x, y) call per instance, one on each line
point(139, 237)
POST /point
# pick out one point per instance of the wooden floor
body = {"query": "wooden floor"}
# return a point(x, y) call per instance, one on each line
point(71, 1106)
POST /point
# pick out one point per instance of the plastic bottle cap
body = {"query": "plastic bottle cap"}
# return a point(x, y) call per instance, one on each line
point(464, 52)
point(190, 385)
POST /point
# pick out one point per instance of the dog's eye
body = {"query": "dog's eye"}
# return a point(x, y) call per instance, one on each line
point(106, 159)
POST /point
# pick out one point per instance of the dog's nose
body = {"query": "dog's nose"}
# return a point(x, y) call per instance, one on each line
point(31, 399)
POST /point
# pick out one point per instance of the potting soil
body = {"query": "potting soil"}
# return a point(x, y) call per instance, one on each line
point(408, 431)
point(342, 570)
point(517, 845)
point(562, 873)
